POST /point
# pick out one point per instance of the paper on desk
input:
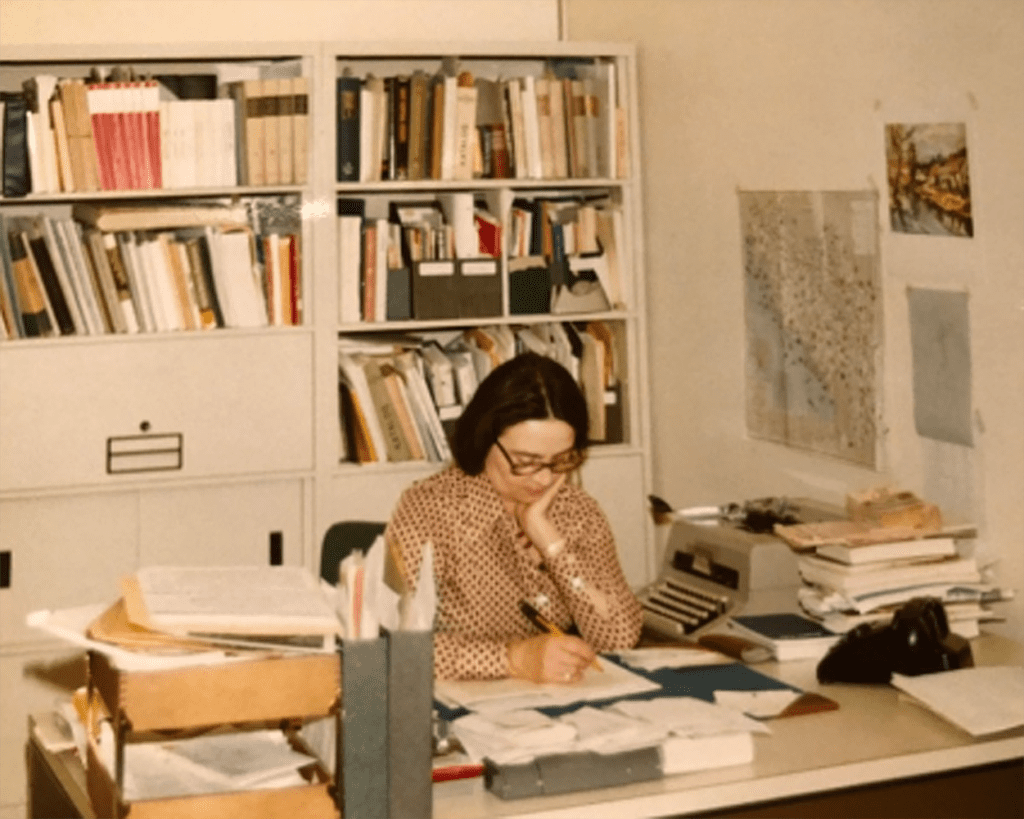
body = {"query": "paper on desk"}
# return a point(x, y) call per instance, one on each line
point(980, 700)
point(758, 704)
point(689, 716)
point(512, 693)
point(512, 736)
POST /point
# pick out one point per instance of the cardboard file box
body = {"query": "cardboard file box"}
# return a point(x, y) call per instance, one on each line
point(384, 747)
point(282, 691)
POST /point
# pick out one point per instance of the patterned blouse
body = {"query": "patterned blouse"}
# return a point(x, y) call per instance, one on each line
point(485, 566)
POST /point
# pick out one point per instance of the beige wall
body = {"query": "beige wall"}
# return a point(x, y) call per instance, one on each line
point(792, 95)
point(160, 21)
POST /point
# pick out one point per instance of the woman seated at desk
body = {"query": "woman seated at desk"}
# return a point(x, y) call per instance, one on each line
point(508, 526)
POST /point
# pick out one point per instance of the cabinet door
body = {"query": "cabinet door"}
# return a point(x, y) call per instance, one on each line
point(30, 682)
point(225, 524)
point(617, 484)
point(64, 551)
point(89, 414)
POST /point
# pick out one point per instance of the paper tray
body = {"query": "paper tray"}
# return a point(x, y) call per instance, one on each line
point(245, 691)
point(311, 801)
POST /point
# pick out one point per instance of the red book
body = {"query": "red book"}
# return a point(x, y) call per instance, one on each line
point(295, 279)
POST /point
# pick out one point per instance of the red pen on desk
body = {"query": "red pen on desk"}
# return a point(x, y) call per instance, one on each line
point(542, 622)
point(447, 773)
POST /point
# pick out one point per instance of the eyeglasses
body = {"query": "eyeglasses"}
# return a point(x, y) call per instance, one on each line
point(566, 462)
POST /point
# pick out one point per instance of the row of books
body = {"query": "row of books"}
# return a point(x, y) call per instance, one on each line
point(189, 269)
point(856, 573)
point(124, 132)
point(441, 258)
point(564, 124)
point(401, 396)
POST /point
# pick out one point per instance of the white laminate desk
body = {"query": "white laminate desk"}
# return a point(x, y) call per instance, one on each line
point(875, 745)
point(875, 756)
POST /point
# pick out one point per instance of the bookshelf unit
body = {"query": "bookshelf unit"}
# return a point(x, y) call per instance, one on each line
point(124, 449)
point(611, 181)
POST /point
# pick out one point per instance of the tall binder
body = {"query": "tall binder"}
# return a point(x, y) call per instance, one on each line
point(479, 286)
point(435, 293)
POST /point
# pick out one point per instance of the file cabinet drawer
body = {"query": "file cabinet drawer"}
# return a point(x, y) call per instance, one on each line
point(99, 413)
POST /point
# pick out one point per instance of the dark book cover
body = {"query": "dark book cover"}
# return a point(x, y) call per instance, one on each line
point(399, 305)
point(34, 316)
point(400, 99)
point(189, 86)
point(348, 113)
point(17, 178)
point(54, 292)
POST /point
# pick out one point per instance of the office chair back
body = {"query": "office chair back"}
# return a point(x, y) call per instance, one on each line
point(341, 539)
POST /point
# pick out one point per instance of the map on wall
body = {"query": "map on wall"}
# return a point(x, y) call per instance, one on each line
point(813, 320)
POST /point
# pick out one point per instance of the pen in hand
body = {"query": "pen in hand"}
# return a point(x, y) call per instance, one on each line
point(542, 622)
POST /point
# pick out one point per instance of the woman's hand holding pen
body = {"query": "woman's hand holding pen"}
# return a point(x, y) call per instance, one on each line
point(550, 658)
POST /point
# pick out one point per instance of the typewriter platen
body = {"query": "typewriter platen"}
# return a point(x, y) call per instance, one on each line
point(708, 574)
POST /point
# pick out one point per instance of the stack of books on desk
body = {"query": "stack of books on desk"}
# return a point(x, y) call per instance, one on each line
point(855, 572)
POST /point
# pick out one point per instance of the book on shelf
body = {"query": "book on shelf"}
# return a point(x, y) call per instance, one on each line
point(350, 121)
point(350, 256)
point(365, 419)
point(36, 314)
point(419, 125)
point(39, 89)
point(16, 168)
point(465, 138)
point(161, 217)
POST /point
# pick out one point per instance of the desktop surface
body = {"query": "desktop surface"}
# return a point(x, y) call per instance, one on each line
point(876, 743)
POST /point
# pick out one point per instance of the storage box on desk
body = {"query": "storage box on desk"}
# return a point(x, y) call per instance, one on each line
point(280, 690)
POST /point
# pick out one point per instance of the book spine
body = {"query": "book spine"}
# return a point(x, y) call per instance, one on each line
point(347, 97)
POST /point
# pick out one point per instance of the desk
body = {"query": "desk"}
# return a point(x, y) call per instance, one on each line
point(876, 756)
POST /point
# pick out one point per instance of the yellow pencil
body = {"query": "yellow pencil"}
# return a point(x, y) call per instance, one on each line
point(542, 622)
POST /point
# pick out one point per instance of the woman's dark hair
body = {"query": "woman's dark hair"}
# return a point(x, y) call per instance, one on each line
point(529, 386)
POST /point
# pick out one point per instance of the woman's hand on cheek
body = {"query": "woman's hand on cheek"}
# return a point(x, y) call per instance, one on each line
point(549, 658)
point(533, 517)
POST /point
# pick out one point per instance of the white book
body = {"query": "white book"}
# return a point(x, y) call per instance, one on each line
point(684, 754)
point(531, 129)
point(137, 281)
point(450, 127)
point(61, 266)
point(352, 372)
point(80, 272)
point(876, 552)
point(350, 247)
point(440, 376)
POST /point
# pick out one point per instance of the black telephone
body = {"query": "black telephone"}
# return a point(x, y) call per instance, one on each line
point(916, 641)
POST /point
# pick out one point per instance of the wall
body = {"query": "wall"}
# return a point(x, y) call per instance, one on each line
point(793, 95)
point(161, 21)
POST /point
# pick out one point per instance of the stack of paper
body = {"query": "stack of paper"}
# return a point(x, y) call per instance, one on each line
point(857, 571)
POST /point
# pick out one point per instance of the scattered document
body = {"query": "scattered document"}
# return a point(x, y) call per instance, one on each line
point(511, 693)
point(691, 717)
point(758, 704)
point(228, 600)
point(654, 658)
point(210, 764)
point(980, 700)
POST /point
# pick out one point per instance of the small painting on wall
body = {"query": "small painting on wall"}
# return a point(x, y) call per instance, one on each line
point(929, 188)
